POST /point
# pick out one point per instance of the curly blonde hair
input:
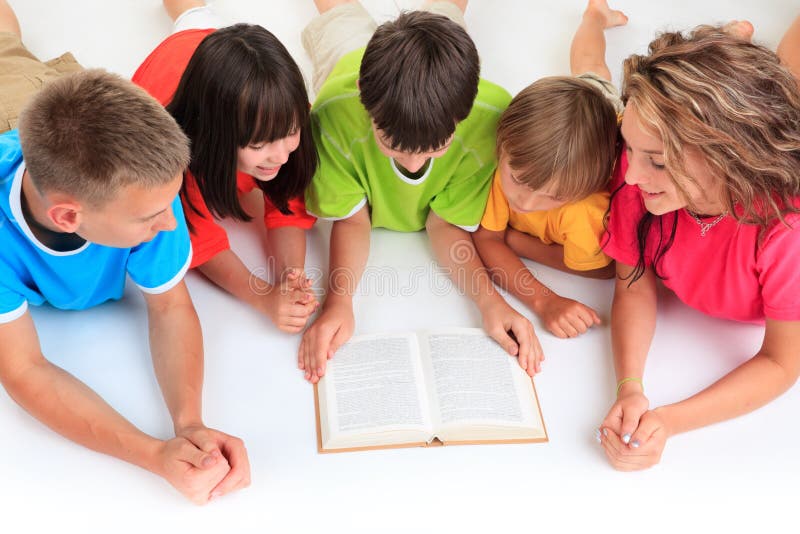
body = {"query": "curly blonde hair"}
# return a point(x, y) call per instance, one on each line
point(734, 103)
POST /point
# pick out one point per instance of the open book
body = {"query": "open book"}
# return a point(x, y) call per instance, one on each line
point(455, 386)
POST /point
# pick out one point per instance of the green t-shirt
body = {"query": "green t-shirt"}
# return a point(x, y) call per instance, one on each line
point(353, 171)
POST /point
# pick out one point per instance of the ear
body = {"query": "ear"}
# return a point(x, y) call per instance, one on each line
point(358, 84)
point(65, 215)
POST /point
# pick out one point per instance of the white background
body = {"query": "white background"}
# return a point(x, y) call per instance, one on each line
point(738, 476)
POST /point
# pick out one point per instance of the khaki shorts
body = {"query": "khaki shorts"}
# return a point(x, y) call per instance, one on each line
point(22, 75)
point(606, 87)
point(349, 27)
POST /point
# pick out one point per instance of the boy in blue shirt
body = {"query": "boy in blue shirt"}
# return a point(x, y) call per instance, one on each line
point(88, 195)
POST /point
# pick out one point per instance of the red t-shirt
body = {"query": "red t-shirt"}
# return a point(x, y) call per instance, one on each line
point(159, 74)
point(727, 273)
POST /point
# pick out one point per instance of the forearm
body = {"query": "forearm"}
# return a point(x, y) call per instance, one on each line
point(228, 271)
point(508, 271)
point(748, 387)
point(350, 242)
point(176, 345)
point(288, 247)
point(73, 410)
point(773, 370)
point(456, 253)
point(633, 323)
point(551, 255)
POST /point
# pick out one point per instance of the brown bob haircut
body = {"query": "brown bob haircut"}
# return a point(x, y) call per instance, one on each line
point(562, 131)
point(91, 133)
point(418, 79)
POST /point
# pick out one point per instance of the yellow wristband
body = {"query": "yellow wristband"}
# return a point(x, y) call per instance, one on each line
point(629, 379)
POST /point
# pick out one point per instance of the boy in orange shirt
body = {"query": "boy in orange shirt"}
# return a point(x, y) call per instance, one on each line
point(557, 143)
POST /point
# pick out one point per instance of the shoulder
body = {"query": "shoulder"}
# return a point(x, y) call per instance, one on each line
point(338, 117)
point(341, 86)
point(161, 71)
point(478, 130)
point(10, 160)
point(491, 98)
point(781, 234)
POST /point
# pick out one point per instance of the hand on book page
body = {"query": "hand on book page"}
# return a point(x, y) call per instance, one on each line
point(323, 338)
point(498, 320)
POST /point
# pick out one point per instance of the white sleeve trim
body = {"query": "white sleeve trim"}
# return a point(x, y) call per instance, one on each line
point(13, 315)
point(352, 212)
point(470, 229)
point(163, 288)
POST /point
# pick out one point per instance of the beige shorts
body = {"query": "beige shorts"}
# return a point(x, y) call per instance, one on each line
point(22, 75)
point(606, 87)
point(349, 27)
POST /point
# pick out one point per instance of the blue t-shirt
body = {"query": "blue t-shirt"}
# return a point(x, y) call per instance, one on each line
point(30, 272)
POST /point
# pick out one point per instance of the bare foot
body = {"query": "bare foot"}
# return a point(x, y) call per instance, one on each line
point(742, 29)
point(611, 17)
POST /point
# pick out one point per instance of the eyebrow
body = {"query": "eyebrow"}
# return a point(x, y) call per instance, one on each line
point(153, 216)
point(651, 152)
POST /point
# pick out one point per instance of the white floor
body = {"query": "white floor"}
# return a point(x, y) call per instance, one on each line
point(738, 476)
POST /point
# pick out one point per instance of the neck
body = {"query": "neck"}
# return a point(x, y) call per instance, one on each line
point(33, 205)
point(413, 175)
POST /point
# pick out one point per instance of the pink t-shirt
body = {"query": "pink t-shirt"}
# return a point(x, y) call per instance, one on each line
point(725, 273)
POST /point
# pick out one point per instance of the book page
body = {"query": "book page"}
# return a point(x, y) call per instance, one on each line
point(373, 385)
point(475, 382)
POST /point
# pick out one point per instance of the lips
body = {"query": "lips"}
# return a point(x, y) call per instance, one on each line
point(268, 170)
point(648, 195)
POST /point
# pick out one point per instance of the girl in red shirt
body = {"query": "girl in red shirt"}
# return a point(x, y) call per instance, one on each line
point(241, 99)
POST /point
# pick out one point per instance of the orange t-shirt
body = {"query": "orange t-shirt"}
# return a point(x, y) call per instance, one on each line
point(159, 75)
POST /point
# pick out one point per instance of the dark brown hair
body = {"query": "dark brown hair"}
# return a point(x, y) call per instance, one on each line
point(562, 131)
point(91, 133)
point(418, 79)
point(242, 87)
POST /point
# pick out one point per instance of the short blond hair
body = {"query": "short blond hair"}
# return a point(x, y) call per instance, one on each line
point(91, 133)
point(560, 130)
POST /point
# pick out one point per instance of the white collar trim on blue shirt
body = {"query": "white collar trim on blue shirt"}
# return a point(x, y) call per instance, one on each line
point(408, 180)
point(15, 201)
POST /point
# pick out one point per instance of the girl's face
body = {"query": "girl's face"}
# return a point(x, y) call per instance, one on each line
point(522, 198)
point(657, 186)
point(263, 161)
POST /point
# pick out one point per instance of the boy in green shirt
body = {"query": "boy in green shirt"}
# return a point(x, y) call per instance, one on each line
point(405, 131)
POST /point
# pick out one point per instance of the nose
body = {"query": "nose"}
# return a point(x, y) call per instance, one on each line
point(413, 162)
point(634, 174)
point(280, 154)
point(166, 222)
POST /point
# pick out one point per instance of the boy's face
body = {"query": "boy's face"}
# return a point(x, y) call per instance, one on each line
point(133, 216)
point(522, 198)
point(410, 161)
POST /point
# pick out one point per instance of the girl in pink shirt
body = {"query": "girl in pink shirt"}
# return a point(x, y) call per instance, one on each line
point(709, 204)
